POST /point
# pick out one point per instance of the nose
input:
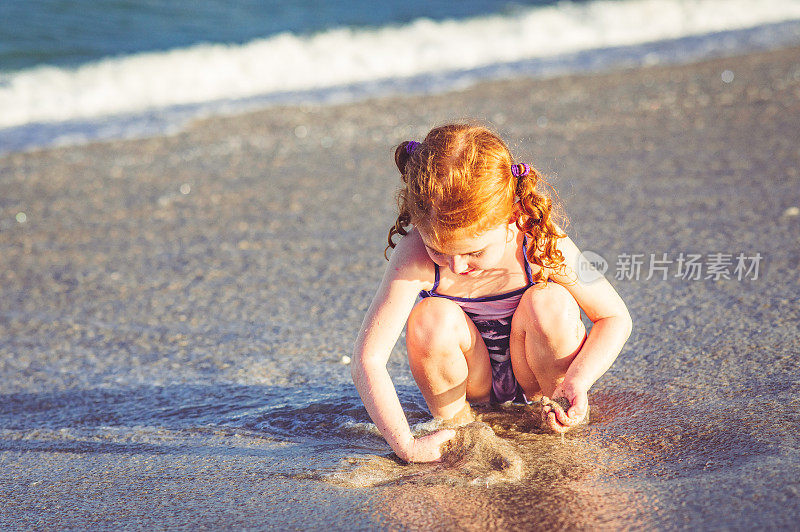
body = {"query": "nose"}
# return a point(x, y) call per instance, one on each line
point(458, 264)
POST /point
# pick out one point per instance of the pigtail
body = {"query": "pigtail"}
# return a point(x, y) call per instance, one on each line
point(537, 218)
point(402, 155)
point(399, 228)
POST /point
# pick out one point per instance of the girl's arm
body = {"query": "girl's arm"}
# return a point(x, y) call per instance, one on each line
point(611, 328)
point(382, 326)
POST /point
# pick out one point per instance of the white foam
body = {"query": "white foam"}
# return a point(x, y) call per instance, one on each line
point(339, 57)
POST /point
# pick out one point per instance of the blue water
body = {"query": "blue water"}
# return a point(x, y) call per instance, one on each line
point(72, 32)
point(78, 71)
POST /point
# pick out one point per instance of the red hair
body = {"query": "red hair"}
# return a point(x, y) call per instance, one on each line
point(459, 179)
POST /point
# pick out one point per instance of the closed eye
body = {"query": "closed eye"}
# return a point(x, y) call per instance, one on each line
point(433, 251)
point(440, 254)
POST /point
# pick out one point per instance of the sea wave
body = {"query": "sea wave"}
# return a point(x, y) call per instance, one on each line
point(191, 78)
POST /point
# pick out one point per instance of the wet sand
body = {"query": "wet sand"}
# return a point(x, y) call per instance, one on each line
point(174, 312)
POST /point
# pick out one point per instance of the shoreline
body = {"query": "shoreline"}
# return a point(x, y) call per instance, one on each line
point(679, 51)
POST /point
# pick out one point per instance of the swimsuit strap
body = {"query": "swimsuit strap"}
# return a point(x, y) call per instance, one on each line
point(435, 277)
point(528, 272)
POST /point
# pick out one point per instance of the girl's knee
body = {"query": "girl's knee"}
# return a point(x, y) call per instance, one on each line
point(549, 311)
point(434, 322)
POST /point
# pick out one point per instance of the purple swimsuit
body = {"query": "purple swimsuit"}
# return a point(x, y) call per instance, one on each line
point(492, 317)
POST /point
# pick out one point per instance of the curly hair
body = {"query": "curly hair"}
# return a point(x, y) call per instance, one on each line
point(459, 179)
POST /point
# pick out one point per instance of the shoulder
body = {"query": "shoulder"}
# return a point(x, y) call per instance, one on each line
point(589, 287)
point(566, 273)
point(563, 271)
point(409, 260)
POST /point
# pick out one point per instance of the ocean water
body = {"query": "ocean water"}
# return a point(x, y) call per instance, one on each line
point(77, 71)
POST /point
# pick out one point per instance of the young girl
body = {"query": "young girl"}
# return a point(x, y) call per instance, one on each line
point(499, 315)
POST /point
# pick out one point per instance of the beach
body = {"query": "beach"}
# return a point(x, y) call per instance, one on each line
point(176, 313)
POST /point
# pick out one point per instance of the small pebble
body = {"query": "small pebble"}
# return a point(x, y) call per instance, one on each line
point(345, 359)
point(792, 211)
point(727, 76)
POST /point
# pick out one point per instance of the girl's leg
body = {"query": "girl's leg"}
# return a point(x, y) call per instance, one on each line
point(546, 335)
point(448, 358)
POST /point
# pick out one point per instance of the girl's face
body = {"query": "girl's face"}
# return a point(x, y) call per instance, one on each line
point(469, 255)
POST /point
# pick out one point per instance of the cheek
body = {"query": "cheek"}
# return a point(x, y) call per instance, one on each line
point(484, 262)
point(488, 259)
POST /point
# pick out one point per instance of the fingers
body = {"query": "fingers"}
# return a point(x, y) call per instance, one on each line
point(554, 409)
point(442, 436)
point(571, 415)
point(429, 448)
point(559, 421)
point(554, 425)
point(580, 405)
point(561, 416)
point(576, 414)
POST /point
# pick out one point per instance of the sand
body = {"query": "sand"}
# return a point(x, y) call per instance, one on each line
point(165, 302)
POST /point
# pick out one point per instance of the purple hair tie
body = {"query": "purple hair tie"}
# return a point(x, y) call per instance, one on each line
point(412, 146)
point(520, 170)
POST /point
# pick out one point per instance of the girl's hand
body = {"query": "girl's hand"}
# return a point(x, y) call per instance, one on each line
point(555, 417)
point(427, 448)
